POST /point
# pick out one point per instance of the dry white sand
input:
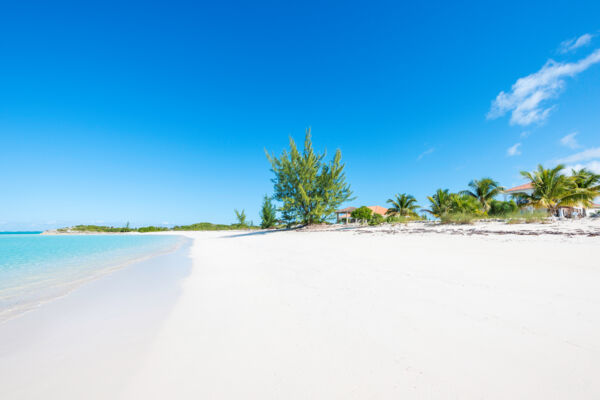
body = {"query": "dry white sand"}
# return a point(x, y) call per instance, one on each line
point(334, 315)
point(347, 315)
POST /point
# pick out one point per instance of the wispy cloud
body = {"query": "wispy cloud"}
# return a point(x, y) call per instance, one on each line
point(514, 150)
point(593, 166)
point(570, 141)
point(525, 134)
point(426, 152)
point(575, 43)
point(528, 95)
point(585, 155)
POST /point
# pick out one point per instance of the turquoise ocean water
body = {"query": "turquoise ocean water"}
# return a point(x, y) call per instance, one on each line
point(37, 268)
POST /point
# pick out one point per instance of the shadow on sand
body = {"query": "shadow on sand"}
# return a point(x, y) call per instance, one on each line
point(263, 232)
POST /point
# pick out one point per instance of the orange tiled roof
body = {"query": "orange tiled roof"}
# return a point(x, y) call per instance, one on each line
point(524, 186)
point(378, 210)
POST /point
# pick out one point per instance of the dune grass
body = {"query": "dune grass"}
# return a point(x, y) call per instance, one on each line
point(515, 217)
point(526, 217)
point(459, 218)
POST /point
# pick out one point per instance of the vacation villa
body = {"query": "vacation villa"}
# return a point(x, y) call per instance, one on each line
point(344, 215)
point(563, 212)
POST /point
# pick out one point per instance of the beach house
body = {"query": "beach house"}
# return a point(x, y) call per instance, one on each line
point(563, 212)
point(344, 215)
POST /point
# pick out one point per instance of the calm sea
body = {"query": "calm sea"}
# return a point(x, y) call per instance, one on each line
point(37, 268)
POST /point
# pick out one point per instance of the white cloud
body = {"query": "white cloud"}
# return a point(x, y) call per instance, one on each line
point(584, 155)
point(570, 141)
point(525, 134)
point(426, 152)
point(527, 96)
point(593, 166)
point(575, 43)
point(514, 150)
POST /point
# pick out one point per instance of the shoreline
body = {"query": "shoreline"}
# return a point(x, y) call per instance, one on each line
point(98, 332)
point(116, 265)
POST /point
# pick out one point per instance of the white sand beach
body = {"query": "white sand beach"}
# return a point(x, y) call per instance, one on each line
point(353, 315)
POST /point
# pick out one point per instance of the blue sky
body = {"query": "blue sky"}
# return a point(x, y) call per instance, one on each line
point(159, 113)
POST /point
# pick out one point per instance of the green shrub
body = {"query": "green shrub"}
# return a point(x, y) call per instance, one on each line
point(207, 226)
point(268, 214)
point(398, 219)
point(502, 208)
point(403, 219)
point(151, 228)
point(99, 228)
point(363, 213)
point(376, 219)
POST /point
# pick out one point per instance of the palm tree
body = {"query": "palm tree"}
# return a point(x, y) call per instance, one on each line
point(465, 204)
point(440, 203)
point(586, 180)
point(552, 189)
point(404, 205)
point(241, 217)
point(484, 190)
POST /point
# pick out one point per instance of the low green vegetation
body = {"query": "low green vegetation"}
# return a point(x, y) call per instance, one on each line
point(200, 226)
point(151, 228)
point(365, 215)
point(501, 209)
point(376, 219)
point(526, 217)
point(99, 228)
point(207, 226)
point(455, 207)
point(112, 229)
point(362, 214)
point(471, 205)
point(400, 219)
point(460, 218)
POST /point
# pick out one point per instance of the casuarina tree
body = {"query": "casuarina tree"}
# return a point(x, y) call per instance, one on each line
point(268, 213)
point(308, 188)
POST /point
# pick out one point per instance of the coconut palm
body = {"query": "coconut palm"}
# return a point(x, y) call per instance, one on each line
point(464, 204)
point(404, 205)
point(587, 180)
point(440, 203)
point(553, 189)
point(484, 190)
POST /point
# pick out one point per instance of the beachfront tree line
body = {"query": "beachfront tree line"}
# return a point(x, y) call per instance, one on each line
point(308, 189)
point(552, 188)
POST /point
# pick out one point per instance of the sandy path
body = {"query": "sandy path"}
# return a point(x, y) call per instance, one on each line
point(335, 315)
